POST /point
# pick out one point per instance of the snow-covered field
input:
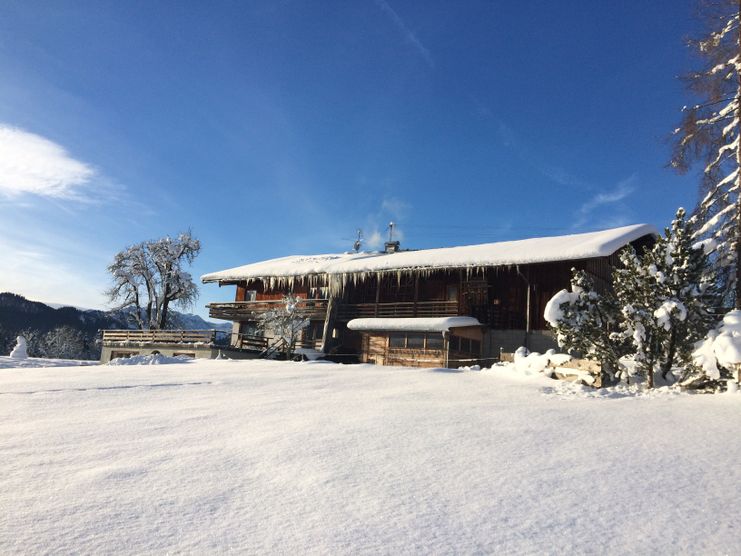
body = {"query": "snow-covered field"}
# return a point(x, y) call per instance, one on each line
point(256, 456)
point(36, 362)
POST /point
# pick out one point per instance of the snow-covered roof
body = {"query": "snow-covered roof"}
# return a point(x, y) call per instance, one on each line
point(432, 324)
point(503, 253)
point(294, 265)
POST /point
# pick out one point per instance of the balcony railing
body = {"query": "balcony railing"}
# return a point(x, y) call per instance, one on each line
point(263, 343)
point(211, 337)
point(400, 309)
point(243, 310)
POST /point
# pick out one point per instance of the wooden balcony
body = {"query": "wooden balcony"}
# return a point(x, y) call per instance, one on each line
point(244, 310)
point(348, 312)
point(210, 337)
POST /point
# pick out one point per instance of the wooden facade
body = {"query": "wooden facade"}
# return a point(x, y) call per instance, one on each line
point(508, 301)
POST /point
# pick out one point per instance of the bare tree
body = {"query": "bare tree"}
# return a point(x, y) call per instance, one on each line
point(709, 133)
point(284, 324)
point(150, 275)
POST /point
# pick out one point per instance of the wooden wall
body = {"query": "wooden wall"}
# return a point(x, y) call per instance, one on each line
point(375, 350)
point(496, 296)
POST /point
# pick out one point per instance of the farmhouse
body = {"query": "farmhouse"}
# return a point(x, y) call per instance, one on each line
point(431, 307)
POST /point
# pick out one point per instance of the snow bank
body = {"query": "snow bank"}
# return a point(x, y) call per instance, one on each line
point(438, 324)
point(37, 363)
point(261, 457)
point(309, 353)
point(153, 359)
point(721, 347)
point(534, 362)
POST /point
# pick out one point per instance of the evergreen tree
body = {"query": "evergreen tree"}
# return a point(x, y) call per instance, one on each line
point(582, 320)
point(663, 301)
point(65, 342)
point(709, 133)
point(667, 299)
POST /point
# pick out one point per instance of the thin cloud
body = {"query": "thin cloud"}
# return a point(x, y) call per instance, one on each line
point(41, 273)
point(509, 139)
point(395, 207)
point(32, 164)
point(622, 190)
point(392, 209)
point(374, 240)
point(407, 32)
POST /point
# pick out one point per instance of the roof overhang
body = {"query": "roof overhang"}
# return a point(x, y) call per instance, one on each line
point(320, 269)
point(426, 324)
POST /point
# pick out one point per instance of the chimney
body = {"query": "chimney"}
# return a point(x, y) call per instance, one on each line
point(391, 246)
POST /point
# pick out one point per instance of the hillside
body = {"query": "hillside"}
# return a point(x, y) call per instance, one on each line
point(51, 331)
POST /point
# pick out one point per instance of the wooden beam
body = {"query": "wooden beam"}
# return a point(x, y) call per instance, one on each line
point(378, 293)
point(328, 319)
point(416, 292)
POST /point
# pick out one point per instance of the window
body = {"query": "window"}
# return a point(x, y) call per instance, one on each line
point(315, 331)
point(451, 293)
point(454, 343)
point(465, 345)
point(435, 341)
point(397, 340)
point(416, 341)
point(475, 347)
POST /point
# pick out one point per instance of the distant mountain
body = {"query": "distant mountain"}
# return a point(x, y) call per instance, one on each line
point(189, 321)
point(18, 313)
point(36, 319)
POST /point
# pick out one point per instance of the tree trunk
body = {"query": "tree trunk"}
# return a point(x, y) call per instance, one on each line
point(163, 314)
point(650, 366)
point(669, 362)
point(149, 313)
point(138, 309)
point(737, 302)
point(328, 320)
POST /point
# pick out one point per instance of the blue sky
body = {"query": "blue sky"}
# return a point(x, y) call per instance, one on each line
point(274, 128)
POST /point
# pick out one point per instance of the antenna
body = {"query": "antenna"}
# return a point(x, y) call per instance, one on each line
point(358, 241)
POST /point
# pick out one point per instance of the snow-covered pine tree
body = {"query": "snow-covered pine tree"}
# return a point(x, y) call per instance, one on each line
point(582, 319)
point(667, 298)
point(709, 133)
point(65, 342)
point(635, 300)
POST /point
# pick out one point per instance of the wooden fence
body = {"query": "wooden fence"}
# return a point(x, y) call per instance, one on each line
point(215, 337)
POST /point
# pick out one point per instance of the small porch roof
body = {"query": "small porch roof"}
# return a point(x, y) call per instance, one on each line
point(428, 324)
